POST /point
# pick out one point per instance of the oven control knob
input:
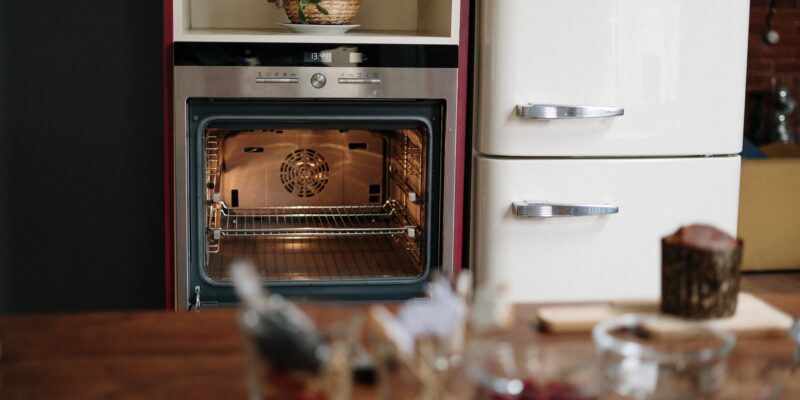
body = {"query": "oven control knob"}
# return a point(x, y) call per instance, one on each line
point(318, 81)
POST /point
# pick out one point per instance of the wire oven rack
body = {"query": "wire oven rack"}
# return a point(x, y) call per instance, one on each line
point(322, 258)
point(293, 221)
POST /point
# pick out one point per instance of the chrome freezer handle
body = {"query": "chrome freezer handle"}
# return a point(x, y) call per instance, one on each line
point(553, 111)
point(543, 209)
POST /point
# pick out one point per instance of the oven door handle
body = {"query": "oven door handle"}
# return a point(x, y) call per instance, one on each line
point(554, 111)
point(545, 209)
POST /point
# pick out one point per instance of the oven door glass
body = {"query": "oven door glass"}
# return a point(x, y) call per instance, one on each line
point(321, 197)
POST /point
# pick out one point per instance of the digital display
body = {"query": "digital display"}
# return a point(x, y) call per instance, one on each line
point(321, 56)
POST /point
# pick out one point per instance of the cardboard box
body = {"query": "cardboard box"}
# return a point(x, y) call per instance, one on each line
point(769, 212)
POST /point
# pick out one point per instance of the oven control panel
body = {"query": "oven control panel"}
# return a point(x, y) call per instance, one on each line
point(276, 80)
point(359, 80)
point(319, 80)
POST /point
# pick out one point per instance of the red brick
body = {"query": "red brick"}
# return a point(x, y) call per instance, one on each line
point(778, 53)
point(758, 16)
point(760, 65)
point(786, 31)
point(758, 83)
point(787, 67)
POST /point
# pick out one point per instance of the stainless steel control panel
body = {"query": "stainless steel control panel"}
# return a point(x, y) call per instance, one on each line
point(276, 80)
point(359, 80)
point(319, 80)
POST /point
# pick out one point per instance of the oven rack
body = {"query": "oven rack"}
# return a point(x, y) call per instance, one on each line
point(314, 221)
point(325, 258)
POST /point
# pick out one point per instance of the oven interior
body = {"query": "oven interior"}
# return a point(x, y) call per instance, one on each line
point(315, 203)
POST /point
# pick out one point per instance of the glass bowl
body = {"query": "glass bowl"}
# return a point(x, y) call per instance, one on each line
point(691, 364)
point(759, 374)
point(503, 369)
point(754, 377)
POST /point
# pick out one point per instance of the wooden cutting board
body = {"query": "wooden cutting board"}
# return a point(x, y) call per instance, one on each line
point(754, 318)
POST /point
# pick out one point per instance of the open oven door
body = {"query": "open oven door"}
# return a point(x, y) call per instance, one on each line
point(327, 199)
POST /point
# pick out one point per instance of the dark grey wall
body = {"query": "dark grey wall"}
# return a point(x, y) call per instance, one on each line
point(81, 218)
point(5, 286)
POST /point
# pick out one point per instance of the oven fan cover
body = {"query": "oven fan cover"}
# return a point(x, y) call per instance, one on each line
point(304, 172)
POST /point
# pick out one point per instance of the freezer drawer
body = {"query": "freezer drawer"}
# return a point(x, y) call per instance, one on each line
point(632, 78)
point(608, 254)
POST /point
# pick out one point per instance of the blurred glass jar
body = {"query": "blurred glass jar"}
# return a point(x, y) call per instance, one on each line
point(325, 374)
point(505, 369)
point(690, 365)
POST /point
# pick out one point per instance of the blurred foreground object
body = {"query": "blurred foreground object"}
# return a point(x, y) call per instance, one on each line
point(491, 310)
point(425, 340)
point(287, 357)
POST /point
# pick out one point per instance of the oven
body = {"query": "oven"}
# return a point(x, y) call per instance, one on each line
point(330, 168)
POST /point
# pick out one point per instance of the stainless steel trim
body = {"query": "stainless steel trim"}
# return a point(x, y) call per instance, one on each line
point(543, 209)
point(238, 82)
point(276, 80)
point(553, 111)
point(359, 80)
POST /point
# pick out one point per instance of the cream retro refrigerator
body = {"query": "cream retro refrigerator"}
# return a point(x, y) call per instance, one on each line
point(600, 127)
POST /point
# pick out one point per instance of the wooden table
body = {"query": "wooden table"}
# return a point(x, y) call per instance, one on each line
point(153, 355)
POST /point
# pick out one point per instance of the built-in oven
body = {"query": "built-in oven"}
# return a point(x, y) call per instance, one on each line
point(330, 168)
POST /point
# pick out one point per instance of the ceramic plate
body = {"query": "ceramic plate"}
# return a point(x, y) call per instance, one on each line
point(312, 29)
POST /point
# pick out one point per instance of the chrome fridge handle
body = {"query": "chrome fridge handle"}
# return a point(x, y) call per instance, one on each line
point(553, 111)
point(543, 209)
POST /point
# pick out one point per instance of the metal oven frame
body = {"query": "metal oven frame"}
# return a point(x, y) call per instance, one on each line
point(239, 82)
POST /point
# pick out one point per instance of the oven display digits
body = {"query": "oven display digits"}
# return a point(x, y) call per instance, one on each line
point(318, 57)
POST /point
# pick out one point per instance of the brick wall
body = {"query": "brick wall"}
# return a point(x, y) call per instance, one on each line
point(780, 61)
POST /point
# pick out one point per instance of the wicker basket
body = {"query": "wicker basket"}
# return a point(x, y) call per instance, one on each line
point(340, 12)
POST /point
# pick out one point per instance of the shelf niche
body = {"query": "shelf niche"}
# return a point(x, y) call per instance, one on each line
point(382, 21)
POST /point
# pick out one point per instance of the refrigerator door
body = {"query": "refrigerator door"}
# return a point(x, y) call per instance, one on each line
point(573, 230)
point(611, 77)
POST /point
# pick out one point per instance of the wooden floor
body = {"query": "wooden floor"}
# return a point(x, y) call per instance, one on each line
point(342, 257)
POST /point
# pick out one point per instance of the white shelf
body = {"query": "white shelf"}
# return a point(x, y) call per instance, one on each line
point(256, 21)
point(284, 36)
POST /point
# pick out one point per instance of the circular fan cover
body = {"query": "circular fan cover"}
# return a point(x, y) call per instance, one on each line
point(304, 173)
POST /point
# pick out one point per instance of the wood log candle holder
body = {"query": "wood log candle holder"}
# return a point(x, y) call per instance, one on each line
point(700, 273)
